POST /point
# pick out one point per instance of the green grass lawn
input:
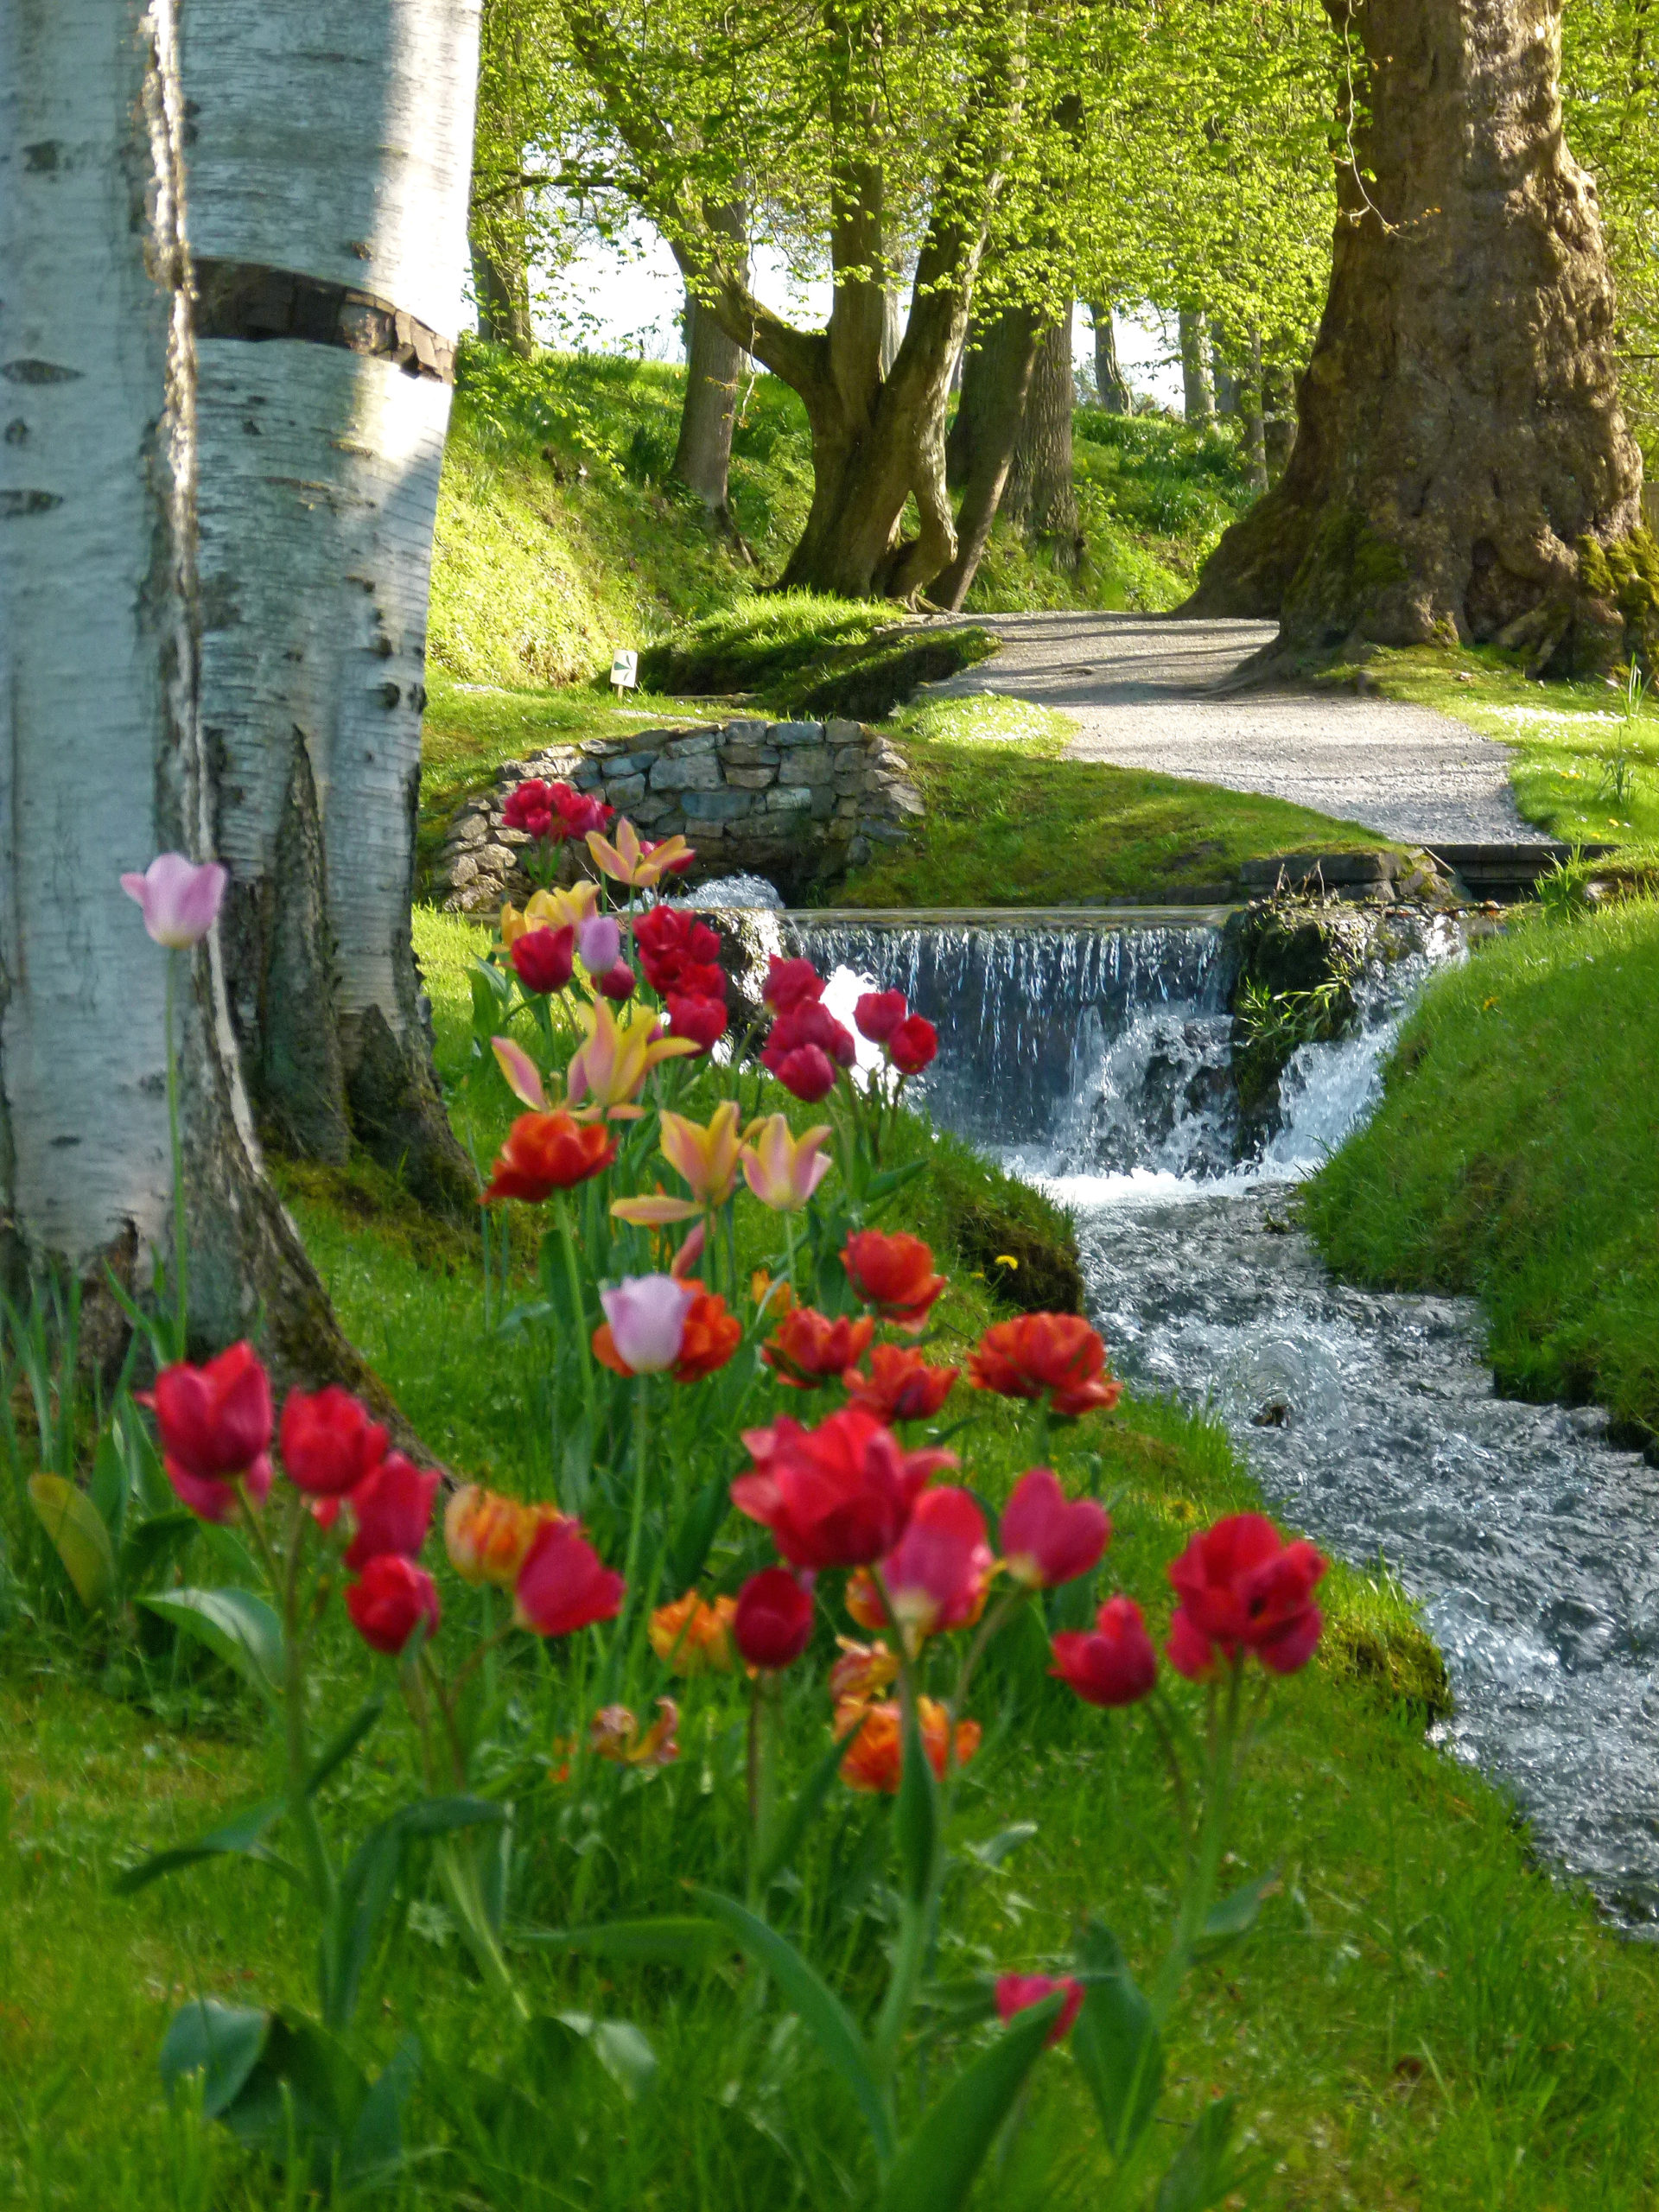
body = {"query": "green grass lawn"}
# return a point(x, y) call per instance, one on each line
point(1011, 822)
point(1516, 1154)
point(1582, 767)
point(1423, 2019)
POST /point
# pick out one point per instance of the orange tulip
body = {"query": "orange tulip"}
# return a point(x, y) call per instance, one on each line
point(1055, 1356)
point(900, 1385)
point(712, 1335)
point(487, 1536)
point(809, 1349)
point(875, 1759)
point(894, 1275)
point(614, 1734)
point(693, 1636)
point(546, 1153)
point(862, 1671)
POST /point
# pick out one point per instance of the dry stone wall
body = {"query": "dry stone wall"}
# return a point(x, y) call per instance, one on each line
point(797, 802)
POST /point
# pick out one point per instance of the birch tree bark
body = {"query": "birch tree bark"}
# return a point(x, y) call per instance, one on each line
point(328, 176)
point(101, 758)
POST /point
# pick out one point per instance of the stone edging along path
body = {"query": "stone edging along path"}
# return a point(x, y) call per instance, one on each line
point(790, 801)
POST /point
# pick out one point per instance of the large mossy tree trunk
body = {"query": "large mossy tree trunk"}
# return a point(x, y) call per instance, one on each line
point(1042, 490)
point(103, 761)
point(1459, 442)
point(328, 212)
point(979, 452)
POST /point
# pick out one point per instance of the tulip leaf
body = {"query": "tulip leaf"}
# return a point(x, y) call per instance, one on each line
point(304, 2093)
point(936, 2170)
point(235, 1625)
point(621, 2048)
point(668, 1942)
point(369, 1883)
point(915, 1812)
point(697, 1532)
point(108, 1489)
point(148, 1547)
point(821, 2012)
point(1200, 2174)
point(1115, 2042)
point(345, 1742)
point(376, 2144)
point(1235, 1914)
point(79, 1536)
point(222, 2043)
point(789, 1830)
point(995, 1848)
point(243, 1836)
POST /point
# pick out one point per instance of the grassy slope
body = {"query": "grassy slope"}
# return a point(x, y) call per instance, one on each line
point(1516, 1154)
point(1567, 739)
point(1422, 2020)
point(1011, 822)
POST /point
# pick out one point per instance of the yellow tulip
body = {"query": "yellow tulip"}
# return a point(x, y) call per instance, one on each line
point(551, 909)
point(707, 1157)
point(628, 861)
point(783, 1171)
point(609, 1068)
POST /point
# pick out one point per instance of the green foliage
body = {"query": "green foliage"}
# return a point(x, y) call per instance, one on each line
point(1513, 1156)
point(799, 653)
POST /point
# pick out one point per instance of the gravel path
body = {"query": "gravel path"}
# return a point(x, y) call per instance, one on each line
point(1138, 689)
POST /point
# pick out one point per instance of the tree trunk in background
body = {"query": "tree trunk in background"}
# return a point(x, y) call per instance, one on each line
point(1459, 430)
point(1042, 492)
point(1228, 385)
point(102, 762)
point(501, 279)
point(1111, 383)
point(1197, 397)
point(329, 207)
point(1278, 418)
point(1253, 439)
point(996, 377)
point(714, 368)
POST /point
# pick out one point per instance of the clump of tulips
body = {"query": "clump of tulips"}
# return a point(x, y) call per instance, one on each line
point(748, 1502)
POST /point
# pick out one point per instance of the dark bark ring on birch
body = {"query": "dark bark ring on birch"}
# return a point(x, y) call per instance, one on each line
point(250, 300)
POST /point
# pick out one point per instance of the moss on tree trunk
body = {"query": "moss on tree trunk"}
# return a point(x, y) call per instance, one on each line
point(1460, 438)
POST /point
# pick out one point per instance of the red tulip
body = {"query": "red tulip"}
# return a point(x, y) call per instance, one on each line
point(390, 1600)
point(211, 1499)
point(329, 1441)
point(546, 1153)
point(809, 1349)
point(617, 981)
point(936, 1573)
point(543, 959)
point(1055, 1356)
point(1017, 1992)
point(836, 1496)
point(702, 1019)
point(878, 1014)
point(807, 1073)
point(913, 1045)
point(578, 812)
point(679, 952)
point(1189, 1651)
point(773, 1624)
point(530, 808)
point(563, 1584)
point(1240, 1585)
point(900, 1385)
point(215, 1420)
point(1115, 1663)
point(806, 1022)
point(894, 1275)
point(1048, 1538)
point(791, 984)
point(391, 1510)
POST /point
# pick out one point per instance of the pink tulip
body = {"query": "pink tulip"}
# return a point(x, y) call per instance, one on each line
point(936, 1573)
point(600, 943)
point(647, 1315)
point(180, 898)
point(1048, 1537)
point(1016, 1992)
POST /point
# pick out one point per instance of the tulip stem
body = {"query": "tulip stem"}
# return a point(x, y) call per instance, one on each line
point(175, 1135)
point(641, 1444)
point(301, 1810)
point(579, 1314)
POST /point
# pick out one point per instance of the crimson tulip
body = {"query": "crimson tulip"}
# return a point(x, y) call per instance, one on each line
point(1112, 1664)
point(900, 1385)
point(936, 1575)
point(215, 1420)
point(1047, 1537)
point(808, 1349)
point(546, 1153)
point(836, 1496)
point(390, 1600)
point(1053, 1356)
point(773, 1624)
point(679, 952)
point(878, 1014)
point(211, 1498)
point(806, 1022)
point(617, 982)
point(1017, 1992)
point(330, 1442)
point(807, 1073)
point(1241, 1585)
point(894, 1275)
point(544, 960)
point(791, 984)
point(913, 1045)
point(391, 1510)
point(530, 808)
point(563, 1584)
point(702, 1019)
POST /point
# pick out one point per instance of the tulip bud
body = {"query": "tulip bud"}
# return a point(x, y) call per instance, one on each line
point(329, 1443)
point(390, 1600)
point(773, 1622)
point(543, 959)
point(618, 982)
point(600, 943)
point(1017, 1992)
point(1114, 1665)
point(913, 1045)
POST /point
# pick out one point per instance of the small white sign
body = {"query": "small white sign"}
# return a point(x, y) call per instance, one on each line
point(625, 671)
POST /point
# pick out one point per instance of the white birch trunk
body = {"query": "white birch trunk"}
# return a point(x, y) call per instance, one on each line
point(335, 143)
point(101, 760)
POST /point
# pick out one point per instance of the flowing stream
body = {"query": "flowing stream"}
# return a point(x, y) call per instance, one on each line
point(1097, 1060)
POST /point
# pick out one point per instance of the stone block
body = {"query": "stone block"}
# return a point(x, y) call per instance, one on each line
point(700, 773)
point(749, 752)
point(469, 830)
point(622, 790)
point(858, 852)
point(741, 733)
point(843, 733)
point(882, 833)
point(717, 806)
point(790, 734)
point(810, 764)
point(824, 803)
point(848, 807)
point(463, 869)
point(791, 800)
point(687, 749)
point(750, 779)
